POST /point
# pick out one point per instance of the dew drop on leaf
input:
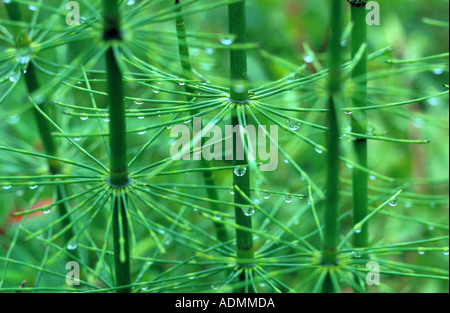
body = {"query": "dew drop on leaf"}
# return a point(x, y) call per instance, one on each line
point(393, 202)
point(226, 41)
point(288, 198)
point(72, 246)
point(266, 195)
point(248, 211)
point(240, 171)
point(294, 125)
point(308, 59)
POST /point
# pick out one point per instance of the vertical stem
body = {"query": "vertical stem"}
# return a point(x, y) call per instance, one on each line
point(331, 232)
point(239, 94)
point(121, 243)
point(44, 128)
point(208, 176)
point(359, 122)
point(118, 146)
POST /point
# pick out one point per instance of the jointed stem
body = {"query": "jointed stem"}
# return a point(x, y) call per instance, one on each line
point(118, 146)
point(331, 232)
point(208, 176)
point(44, 128)
point(239, 93)
point(359, 124)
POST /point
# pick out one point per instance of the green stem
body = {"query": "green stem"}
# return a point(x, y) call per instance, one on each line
point(118, 146)
point(359, 124)
point(44, 129)
point(331, 231)
point(121, 243)
point(208, 176)
point(239, 94)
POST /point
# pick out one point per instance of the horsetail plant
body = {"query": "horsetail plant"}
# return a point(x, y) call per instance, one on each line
point(24, 52)
point(331, 233)
point(118, 177)
point(237, 22)
point(208, 176)
point(144, 217)
point(359, 119)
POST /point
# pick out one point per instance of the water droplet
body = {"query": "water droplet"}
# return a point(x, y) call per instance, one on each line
point(32, 8)
point(408, 205)
point(349, 165)
point(7, 187)
point(72, 246)
point(226, 41)
point(266, 195)
point(141, 117)
point(15, 77)
point(344, 43)
point(77, 139)
point(182, 83)
point(308, 59)
point(34, 187)
point(288, 198)
point(239, 88)
point(349, 112)
point(430, 227)
point(232, 192)
point(446, 253)
point(23, 60)
point(358, 253)
point(155, 91)
point(84, 118)
point(144, 288)
point(138, 102)
point(438, 71)
point(393, 202)
point(358, 229)
point(372, 177)
point(421, 251)
point(418, 122)
point(47, 211)
point(149, 263)
point(131, 2)
point(106, 120)
point(12, 120)
point(248, 211)
point(188, 121)
point(240, 171)
point(142, 133)
point(294, 125)
point(433, 101)
point(319, 151)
